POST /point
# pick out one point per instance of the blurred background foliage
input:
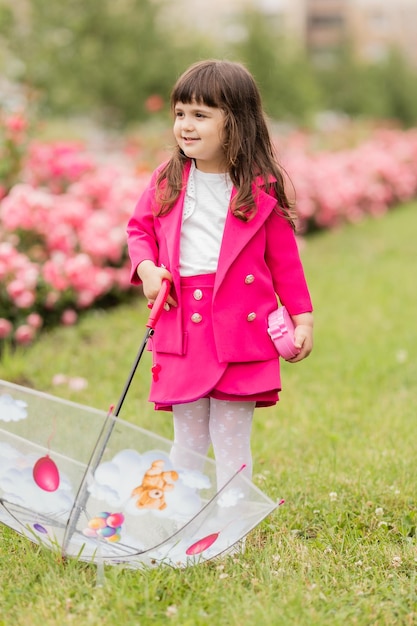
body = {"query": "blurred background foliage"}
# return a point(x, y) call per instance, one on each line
point(116, 61)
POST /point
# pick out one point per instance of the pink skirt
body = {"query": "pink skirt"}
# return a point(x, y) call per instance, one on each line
point(198, 373)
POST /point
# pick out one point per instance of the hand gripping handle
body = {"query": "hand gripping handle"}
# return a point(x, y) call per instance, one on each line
point(158, 305)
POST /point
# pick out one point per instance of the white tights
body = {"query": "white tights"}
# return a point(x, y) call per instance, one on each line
point(226, 425)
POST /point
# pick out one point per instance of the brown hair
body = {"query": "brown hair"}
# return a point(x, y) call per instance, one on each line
point(248, 148)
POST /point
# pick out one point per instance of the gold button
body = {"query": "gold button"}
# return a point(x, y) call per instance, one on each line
point(196, 318)
point(197, 294)
point(249, 279)
point(251, 317)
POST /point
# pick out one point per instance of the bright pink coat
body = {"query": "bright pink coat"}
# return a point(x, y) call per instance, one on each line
point(259, 260)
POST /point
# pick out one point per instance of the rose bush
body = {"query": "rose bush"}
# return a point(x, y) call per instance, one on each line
point(64, 213)
point(335, 187)
point(63, 238)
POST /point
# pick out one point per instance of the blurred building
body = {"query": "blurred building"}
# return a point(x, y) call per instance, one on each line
point(326, 27)
point(381, 24)
point(370, 27)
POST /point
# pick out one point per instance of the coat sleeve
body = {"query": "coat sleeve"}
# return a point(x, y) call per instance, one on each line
point(142, 241)
point(283, 259)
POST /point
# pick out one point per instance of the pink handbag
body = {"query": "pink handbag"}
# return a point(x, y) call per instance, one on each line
point(281, 331)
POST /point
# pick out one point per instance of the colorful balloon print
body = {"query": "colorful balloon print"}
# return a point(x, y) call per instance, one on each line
point(46, 474)
point(105, 525)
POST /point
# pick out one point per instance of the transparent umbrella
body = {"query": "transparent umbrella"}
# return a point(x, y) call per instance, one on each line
point(90, 485)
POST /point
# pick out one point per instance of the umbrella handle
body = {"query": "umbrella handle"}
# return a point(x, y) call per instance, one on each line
point(154, 316)
point(158, 305)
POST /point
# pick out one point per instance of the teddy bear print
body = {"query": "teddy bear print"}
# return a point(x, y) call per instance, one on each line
point(150, 493)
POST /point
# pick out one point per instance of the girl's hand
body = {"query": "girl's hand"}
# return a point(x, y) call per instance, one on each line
point(152, 277)
point(303, 336)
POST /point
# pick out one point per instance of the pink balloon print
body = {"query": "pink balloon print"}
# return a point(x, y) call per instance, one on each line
point(45, 474)
point(202, 544)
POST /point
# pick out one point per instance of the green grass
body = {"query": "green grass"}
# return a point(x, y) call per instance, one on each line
point(339, 447)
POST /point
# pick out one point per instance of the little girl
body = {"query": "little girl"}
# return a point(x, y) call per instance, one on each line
point(215, 221)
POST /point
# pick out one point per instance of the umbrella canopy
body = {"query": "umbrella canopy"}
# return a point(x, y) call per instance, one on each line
point(135, 507)
point(93, 486)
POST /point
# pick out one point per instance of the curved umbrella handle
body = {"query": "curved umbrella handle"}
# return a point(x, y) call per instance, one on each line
point(158, 305)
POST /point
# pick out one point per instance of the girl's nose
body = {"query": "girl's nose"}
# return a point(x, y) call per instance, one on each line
point(187, 123)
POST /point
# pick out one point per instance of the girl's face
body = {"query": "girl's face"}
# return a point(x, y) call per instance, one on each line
point(198, 130)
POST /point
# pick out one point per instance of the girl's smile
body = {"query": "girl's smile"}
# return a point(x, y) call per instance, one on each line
point(198, 130)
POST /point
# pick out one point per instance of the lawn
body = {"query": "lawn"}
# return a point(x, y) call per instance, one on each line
point(339, 448)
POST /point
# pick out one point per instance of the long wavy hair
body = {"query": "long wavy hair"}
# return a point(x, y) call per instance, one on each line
point(248, 149)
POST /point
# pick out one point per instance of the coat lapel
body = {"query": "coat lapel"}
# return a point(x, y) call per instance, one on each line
point(237, 233)
point(171, 228)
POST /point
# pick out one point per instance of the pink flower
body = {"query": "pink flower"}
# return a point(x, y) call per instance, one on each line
point(15, 288)
point(53, 273)
point(6, 328)
point(35, 320)
point(59, 379)
point(122, 277)
point(7, 251)
point(25, 300)
point(24, 334)
point(15, 123)
point(154, 103)
point(85, 298)
point(69, 317)
point(61, 238)
point(78, 383)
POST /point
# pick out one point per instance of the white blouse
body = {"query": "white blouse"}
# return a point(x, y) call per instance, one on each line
point(206, 204)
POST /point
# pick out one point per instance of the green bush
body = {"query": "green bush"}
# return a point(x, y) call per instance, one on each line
point(386, 90)
point(117, 61)
point(95, 56)
point(284, 75)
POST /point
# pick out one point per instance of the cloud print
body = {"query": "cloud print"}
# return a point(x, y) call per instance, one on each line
point(12, 410)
